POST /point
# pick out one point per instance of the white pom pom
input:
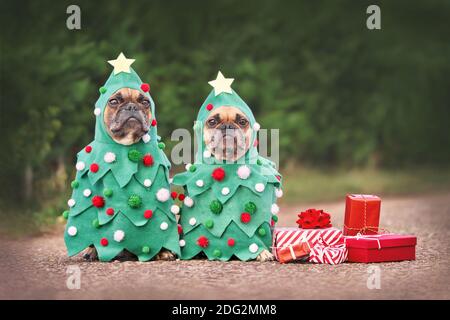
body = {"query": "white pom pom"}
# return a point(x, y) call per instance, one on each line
point(71, 202)
point(164, 226)
point(192, 221)
point(109, 157)
point(80, 165)
point(87, 192)
point(243, 172)
point(278, 193)
point(275, 209)
point(170, 180)
point(163, 195)
point(253, 248)
point(256, 126)
point(72, 231)
point(175, 209)
point(225, 191)
point(206, 154)
point(97, 111)
point(146, 138)
point(119, 235)
point(188, 202)
point(259, 187)
point(182, 243)
point(199, 183)
point(188, 166)
point(147, 183)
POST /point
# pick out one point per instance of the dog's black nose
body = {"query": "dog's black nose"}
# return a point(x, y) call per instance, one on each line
point(131, 107)
point(226, 126)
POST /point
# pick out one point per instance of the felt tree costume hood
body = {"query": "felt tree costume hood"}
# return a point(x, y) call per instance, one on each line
point(121, 198)
point(229, 208)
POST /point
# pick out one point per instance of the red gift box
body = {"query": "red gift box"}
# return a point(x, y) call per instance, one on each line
point(381, 248)
point(293, 252)
point(362, 214)
point(326, 245)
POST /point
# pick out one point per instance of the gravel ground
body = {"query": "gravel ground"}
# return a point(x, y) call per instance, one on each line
point(35, 268)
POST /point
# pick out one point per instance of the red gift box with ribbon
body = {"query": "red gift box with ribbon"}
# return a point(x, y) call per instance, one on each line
point(362, 214)
point(325, 245)
point(380, 248)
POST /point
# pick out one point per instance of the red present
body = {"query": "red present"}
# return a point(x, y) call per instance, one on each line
point(284, 237)
point(381, 248)
point(362, 214)
point(293, 252)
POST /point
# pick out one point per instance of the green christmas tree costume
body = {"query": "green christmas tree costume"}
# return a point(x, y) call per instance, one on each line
point(229, 208)
point(121, 198)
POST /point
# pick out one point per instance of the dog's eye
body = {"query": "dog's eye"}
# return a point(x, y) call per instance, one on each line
point(212, 122)
point(113, 102)
point(145, 102)
point(242, 122)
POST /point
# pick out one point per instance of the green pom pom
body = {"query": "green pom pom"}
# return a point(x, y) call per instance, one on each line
point(209, 224)
point(65, 214)
point(217, 253)
point(107, 192)
point(215, 206)
point(102, 90)
point(274, 218)
point(192, 168)
point(134, 155)
point(250, 207)
point(134, 201)
point(258, 162)
point(95, 223)
point(161, 145)
point(145, 249)
point(75, 184)
point(262, 232)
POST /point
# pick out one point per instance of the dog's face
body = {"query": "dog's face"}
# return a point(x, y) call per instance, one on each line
point(227, 133)
point(127, 116)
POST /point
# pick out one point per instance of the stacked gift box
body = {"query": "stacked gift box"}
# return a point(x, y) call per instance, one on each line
point(361, 240)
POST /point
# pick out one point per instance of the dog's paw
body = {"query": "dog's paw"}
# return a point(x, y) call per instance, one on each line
point(166, 256)
point(265, 256)
point(90, 254)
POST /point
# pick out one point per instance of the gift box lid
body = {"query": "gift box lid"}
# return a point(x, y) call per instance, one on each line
point(363, 197)
point(380, 241)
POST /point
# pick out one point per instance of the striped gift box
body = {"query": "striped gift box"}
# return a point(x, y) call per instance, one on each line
point(283, 237)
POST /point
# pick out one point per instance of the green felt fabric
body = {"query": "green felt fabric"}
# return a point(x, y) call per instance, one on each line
point(218, 228)
point(124, 177)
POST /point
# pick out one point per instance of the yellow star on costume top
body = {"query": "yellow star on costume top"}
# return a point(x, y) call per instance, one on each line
point(121, 64)
point(221, 84)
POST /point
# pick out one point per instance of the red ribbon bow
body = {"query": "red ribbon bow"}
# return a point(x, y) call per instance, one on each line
point(314, 219)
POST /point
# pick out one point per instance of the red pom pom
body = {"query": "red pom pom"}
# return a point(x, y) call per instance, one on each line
point(272, 223)
point(209, 107)
point(147, 160)
point(246, 217)
point(110, 211)
point(278, 178)
point(202, 241)
point(98, 201)
point(154, 123)
point(181, 197)
point(218, 174)
point(145, 87)
point(88, 149)
point(180, 229)
point(104, 242)
point(94, 167)
point(231, 242)
point(148, 214)
point(174, 195)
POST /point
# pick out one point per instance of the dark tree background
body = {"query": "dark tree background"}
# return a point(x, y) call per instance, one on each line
point(342, 95)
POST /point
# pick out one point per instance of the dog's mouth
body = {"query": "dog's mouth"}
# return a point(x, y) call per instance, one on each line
point(127, 122)
point(229, 144)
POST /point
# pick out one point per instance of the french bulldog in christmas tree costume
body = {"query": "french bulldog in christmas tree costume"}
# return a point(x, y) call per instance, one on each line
point(230, 191)
point(121, 200)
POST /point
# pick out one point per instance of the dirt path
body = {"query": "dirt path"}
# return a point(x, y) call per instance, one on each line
point(35, 268)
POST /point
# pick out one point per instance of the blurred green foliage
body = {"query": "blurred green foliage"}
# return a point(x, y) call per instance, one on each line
point(342, 95)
